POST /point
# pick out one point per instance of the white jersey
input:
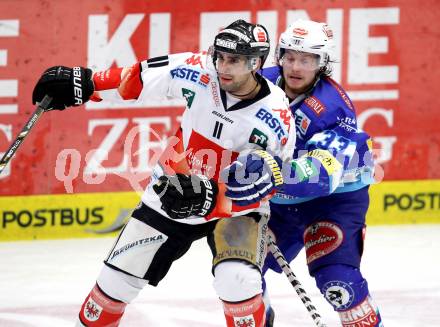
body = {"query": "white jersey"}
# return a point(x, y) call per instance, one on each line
point(213, 130)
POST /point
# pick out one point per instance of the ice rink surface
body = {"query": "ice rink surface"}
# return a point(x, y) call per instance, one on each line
point(43, 283)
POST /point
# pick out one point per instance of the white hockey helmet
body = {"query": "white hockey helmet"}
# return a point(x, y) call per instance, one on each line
point(307, 36)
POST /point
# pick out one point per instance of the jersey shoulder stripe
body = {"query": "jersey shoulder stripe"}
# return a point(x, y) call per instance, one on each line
point(158, 61)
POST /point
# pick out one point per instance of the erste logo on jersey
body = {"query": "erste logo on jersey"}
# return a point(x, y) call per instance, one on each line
point(274, 124)
point(302, 123)
point(191, 75)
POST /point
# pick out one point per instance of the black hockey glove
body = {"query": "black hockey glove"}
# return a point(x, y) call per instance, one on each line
point(183, 196)
point(67, 86)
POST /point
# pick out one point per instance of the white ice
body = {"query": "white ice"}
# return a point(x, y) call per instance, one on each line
point(43, 283)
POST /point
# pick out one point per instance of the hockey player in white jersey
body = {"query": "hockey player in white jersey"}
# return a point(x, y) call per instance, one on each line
point(230, 109)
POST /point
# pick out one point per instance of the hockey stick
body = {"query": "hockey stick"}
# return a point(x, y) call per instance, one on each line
point(284, 265)
point(41, 107)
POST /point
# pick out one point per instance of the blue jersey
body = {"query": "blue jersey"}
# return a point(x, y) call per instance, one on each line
point(332, 154)
point(322, 207)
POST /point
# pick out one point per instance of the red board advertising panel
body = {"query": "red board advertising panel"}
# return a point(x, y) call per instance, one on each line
point(388, 64)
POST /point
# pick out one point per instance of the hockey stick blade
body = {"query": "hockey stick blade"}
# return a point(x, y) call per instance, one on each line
point(41, 107)
point(284, 265)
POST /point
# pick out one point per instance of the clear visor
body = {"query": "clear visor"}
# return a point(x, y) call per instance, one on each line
point(297, 60)
point(231, 64)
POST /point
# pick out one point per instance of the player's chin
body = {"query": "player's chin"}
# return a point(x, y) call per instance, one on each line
point(297, 85)
point(294, 80)
point(226, 84)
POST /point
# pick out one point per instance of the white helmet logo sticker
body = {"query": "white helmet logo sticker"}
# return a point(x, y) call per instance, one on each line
point(327, 30)
point(298, 31)
point(260, 34)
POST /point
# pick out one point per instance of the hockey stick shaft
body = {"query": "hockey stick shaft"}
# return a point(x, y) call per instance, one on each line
point(41, 107)
point(284, 265)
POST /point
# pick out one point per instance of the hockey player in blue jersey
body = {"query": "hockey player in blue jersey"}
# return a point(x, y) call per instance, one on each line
point(324, 200)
